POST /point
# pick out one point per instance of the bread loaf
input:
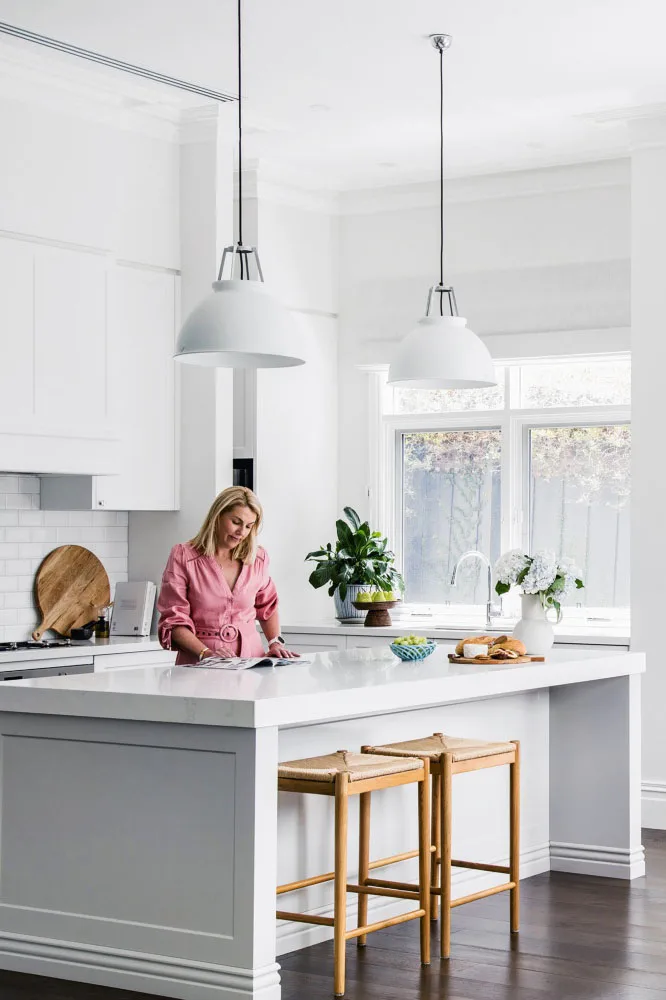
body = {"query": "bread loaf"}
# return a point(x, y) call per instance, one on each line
point(504, 644)
point(480, 640)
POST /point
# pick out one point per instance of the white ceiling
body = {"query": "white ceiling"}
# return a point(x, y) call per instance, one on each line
point(345, 93)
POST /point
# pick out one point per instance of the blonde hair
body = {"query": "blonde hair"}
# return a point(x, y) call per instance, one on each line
point(205, 541)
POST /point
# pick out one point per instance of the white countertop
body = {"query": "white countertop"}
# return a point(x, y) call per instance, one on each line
point(91, 647)
point(570, 633)
point(340, 685)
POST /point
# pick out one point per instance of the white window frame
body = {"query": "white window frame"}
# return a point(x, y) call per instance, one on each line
point(515, 423)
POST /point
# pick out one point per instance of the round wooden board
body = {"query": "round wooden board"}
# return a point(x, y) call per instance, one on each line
point(71, 586)
point(489, 659)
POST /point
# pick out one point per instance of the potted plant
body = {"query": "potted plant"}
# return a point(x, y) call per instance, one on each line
point(544, 581)
point(360, 559)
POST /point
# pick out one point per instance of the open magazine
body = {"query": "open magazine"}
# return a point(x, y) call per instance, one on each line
point(244, 662)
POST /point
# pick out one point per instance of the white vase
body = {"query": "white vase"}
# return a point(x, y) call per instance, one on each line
point(534, 629)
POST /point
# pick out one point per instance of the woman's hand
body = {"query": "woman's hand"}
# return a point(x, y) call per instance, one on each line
point(223, 653)
point(281, 652)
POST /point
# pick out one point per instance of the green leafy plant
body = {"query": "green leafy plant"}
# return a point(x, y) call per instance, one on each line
point(360, 556)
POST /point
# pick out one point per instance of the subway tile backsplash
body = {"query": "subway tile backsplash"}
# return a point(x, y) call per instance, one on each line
point(27, 534)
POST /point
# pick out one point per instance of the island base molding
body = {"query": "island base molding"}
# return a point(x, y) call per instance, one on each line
point(137, 972)
point(607, 862)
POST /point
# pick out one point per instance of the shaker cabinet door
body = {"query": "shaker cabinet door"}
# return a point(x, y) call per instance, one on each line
point(70, 338)
point(143, 309)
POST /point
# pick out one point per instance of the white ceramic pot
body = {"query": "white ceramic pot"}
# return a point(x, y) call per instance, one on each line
point(534, 629)
point(344, 610)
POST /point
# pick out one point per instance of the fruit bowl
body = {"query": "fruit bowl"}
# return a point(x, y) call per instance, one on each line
point(378, 612)
point(405, 652)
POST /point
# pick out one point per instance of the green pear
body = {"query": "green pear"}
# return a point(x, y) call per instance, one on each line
point(364, 596)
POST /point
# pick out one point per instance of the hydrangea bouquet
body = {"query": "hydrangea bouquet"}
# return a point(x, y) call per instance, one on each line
point(542, 574)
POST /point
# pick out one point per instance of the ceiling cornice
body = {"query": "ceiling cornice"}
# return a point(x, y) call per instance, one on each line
point(487, 187)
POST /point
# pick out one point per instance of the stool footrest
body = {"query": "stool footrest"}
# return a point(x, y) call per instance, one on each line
point(372, 890)
point(503, 869)
point(381, 924)
point(396, 858)
point(304, 918)
point(388, 884)
point(305, 882)
point(482, 895)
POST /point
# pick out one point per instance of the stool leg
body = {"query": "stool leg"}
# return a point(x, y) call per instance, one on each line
point(424, 860)
point(340, 884)
point(446, 812)
point(363, 861)
point(514, 837)
point(436, 836)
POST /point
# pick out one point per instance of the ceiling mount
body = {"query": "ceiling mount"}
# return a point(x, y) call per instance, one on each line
point(441, 41)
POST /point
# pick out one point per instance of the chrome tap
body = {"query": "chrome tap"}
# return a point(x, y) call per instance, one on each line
point(473, 553)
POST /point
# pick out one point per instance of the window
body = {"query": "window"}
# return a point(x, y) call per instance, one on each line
point(451, 503)
point(540, 461)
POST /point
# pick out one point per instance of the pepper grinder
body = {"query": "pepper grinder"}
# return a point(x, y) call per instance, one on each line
point(102, 625)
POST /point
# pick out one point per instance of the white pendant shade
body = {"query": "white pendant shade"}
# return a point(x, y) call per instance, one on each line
point(441, 353)
point(240, 325)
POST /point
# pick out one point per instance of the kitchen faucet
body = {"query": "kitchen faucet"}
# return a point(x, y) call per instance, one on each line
point(473, 553)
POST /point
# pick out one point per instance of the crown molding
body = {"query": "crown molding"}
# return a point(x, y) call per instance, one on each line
point(489, 187)
point(644, 124)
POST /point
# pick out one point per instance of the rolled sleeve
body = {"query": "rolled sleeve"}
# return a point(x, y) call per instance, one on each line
point(266, 601)
point(173, 603)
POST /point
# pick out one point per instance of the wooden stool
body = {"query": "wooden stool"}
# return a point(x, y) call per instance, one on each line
point(449, 755)
point(342, 774)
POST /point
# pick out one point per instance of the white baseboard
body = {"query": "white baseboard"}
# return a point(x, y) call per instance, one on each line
point(653, 805)
point(588, 859)
point(135, 971)
point(292, 936)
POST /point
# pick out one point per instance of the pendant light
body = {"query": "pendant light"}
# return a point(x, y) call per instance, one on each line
point(440, 352)
point(239, 324)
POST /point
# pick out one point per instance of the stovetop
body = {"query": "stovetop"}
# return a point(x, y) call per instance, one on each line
point(12, 647)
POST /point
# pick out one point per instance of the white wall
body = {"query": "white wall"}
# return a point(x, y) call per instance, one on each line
point(296, 462)
point(28, 534)
point(648, 540)
point(68, 179)
point(541, 251)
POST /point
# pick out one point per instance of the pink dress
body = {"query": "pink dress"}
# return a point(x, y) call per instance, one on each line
point(196, 594)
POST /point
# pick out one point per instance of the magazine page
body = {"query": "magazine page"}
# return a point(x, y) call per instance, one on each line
point(245, 662)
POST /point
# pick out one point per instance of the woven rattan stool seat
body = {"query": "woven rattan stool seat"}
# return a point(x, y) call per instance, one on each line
point(437, 744)
point(357, 765)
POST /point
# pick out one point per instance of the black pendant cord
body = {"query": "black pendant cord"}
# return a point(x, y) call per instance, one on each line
point(240, 139)
point(441, 178)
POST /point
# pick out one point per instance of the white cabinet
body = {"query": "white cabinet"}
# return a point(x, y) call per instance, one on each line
point(54, 412)
point(125, 661)
point(306, 642)
point(140, 391)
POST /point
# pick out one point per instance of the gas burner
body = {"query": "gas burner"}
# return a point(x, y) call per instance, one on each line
point(12, 647)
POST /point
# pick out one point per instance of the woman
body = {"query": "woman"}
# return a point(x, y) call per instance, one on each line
point(217, 585)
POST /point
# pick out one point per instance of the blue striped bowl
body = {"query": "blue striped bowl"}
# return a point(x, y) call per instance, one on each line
point(413, 652)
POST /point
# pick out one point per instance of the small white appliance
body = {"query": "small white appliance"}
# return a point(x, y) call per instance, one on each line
point(133, 605)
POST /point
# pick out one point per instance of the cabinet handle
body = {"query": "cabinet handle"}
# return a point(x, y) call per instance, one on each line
point(100, 503)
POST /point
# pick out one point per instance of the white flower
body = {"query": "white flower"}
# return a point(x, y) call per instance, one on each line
point(567, 569)
point(541, 573)
point(509, 566)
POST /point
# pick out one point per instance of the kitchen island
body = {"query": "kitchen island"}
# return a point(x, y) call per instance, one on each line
point(140, 834)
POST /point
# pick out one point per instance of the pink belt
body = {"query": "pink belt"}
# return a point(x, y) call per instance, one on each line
point(226, 632)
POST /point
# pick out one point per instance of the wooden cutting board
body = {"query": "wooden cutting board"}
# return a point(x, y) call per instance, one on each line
point(489, 659)
point(71, 586)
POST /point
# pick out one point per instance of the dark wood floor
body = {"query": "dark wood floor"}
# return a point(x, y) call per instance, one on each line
point(582, 939)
